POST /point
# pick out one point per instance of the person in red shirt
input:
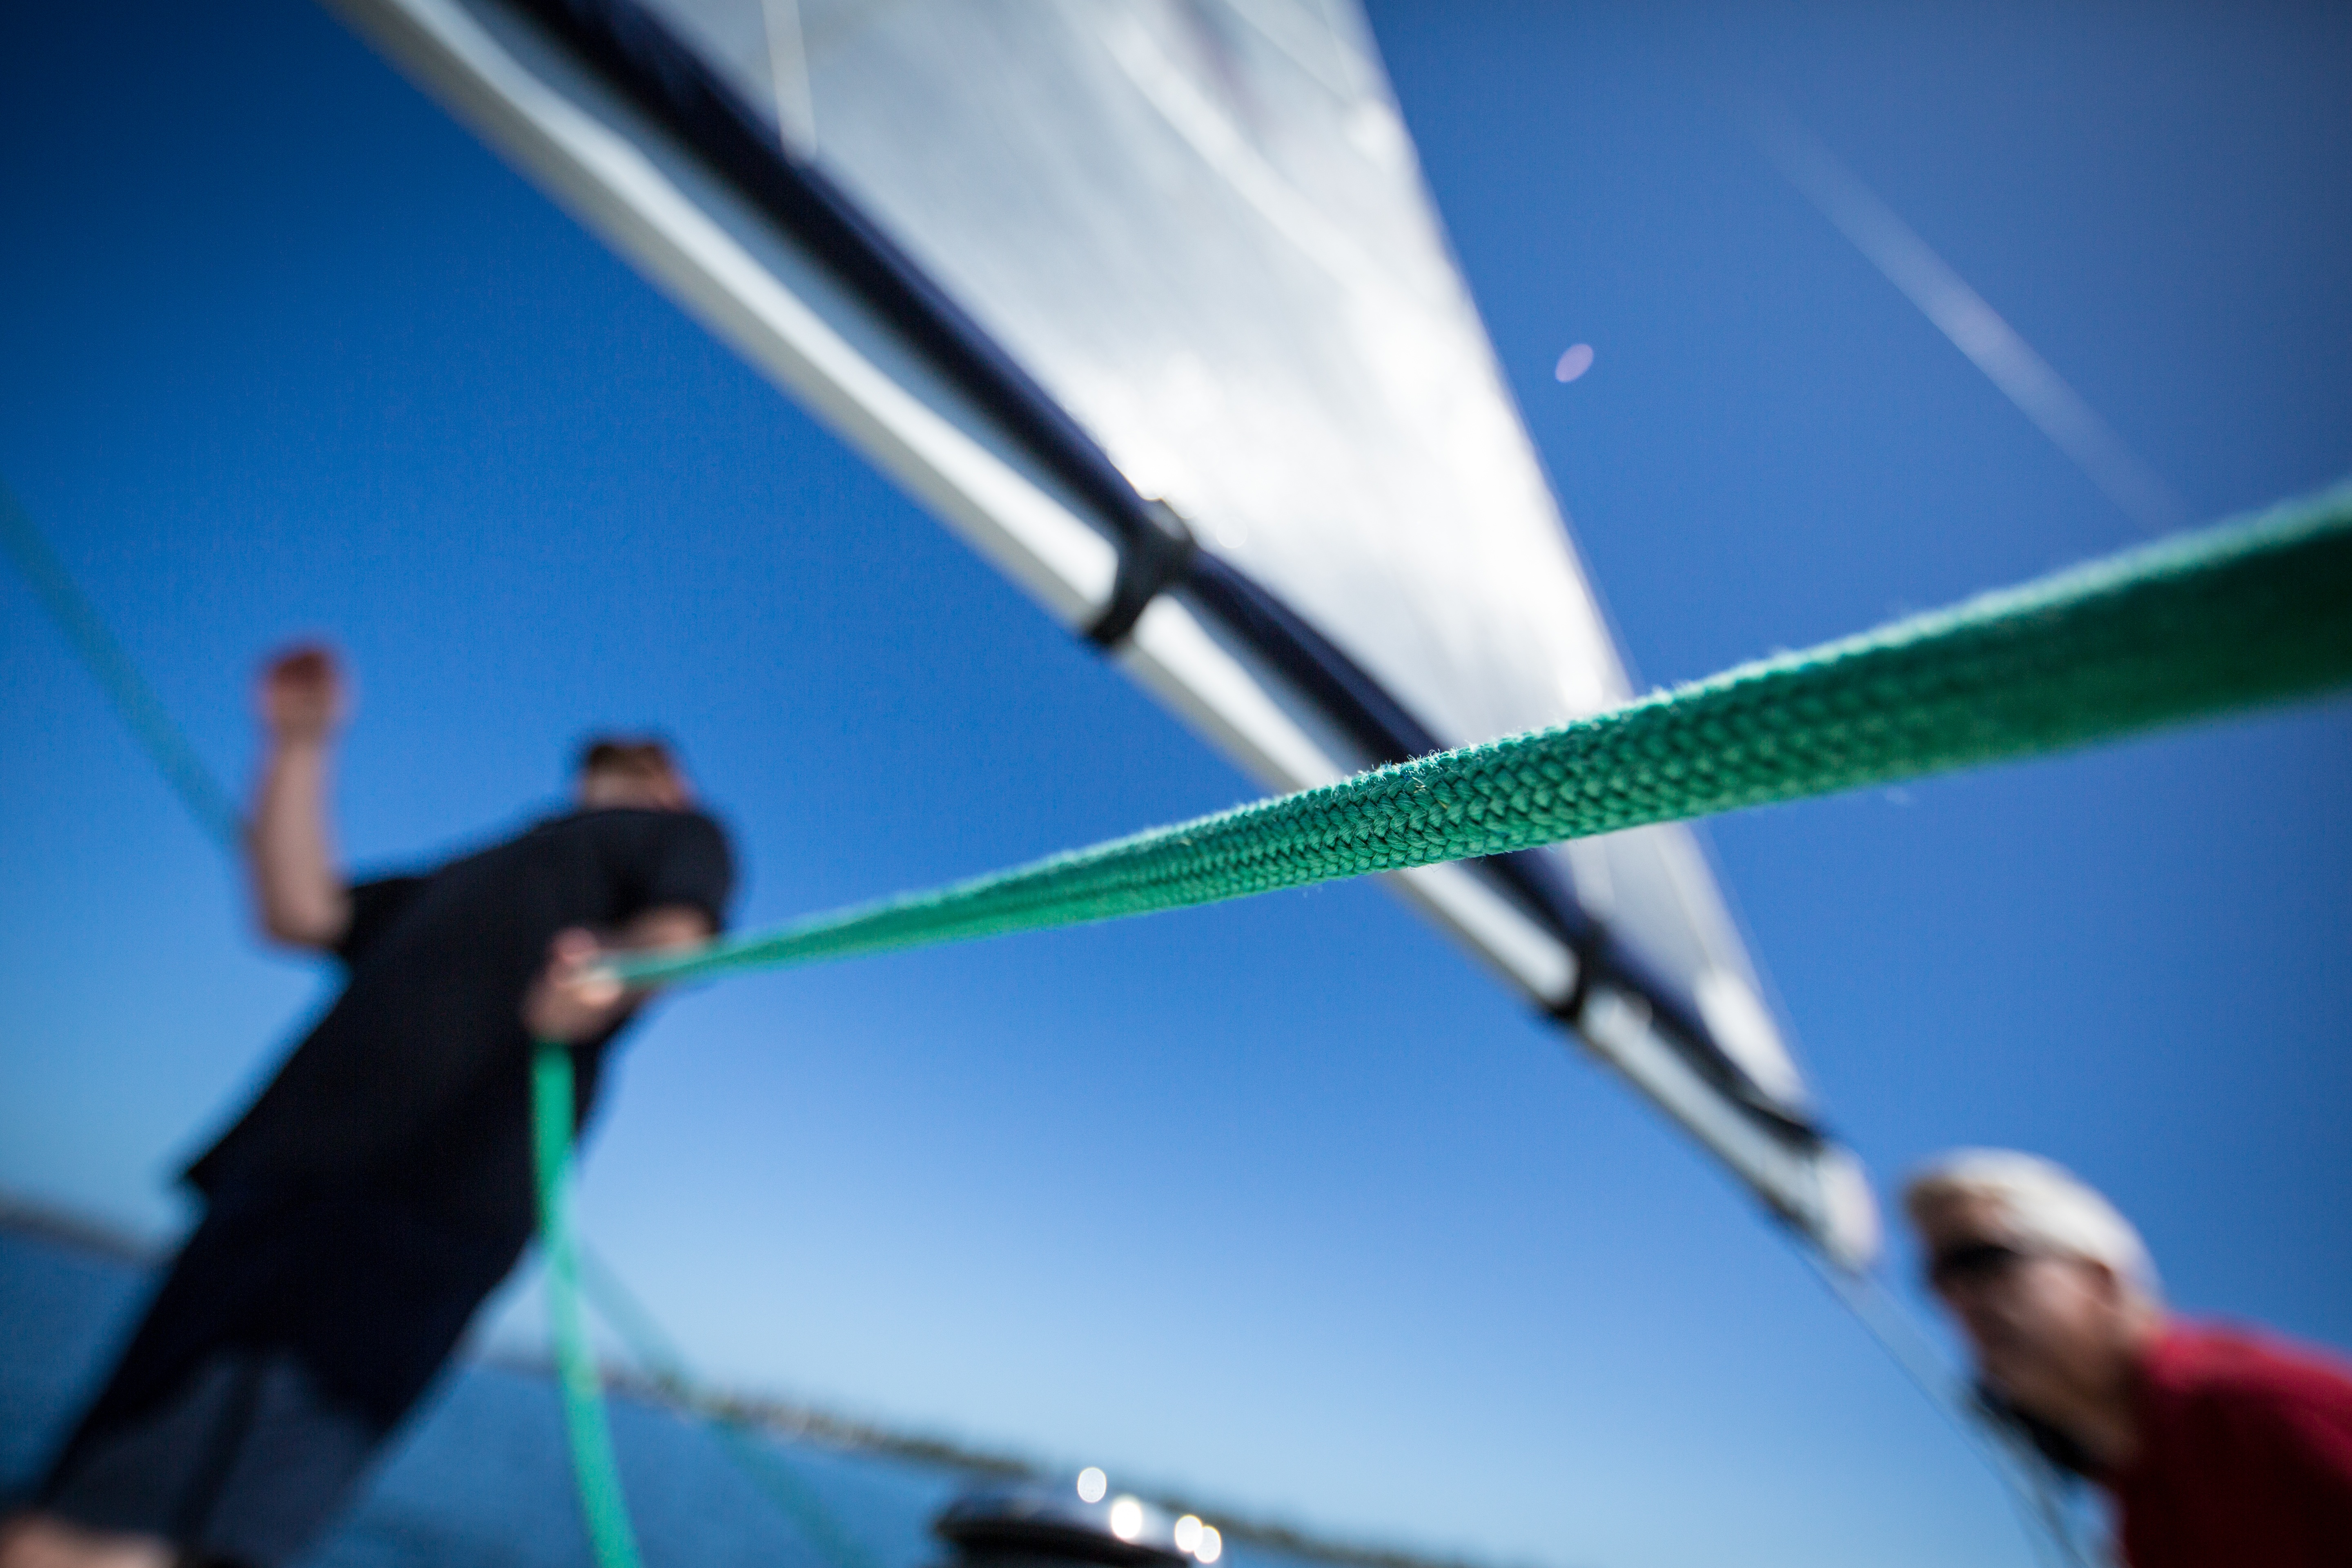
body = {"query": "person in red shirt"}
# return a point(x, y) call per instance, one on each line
point(2217, 1445)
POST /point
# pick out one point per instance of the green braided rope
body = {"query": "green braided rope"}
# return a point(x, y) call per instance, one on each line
point(592, 1465)
point(2247, 613)
point(150, 721)
point(2253, 612)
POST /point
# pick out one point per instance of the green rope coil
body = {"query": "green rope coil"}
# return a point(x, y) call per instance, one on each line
point(739, 1438)
point(2255, 612)
point(595, 1473)
point(593, 1468)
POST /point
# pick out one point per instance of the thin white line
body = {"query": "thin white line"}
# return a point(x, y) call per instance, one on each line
point(2032, 1482)
point(1976, 329)
point(788, 67)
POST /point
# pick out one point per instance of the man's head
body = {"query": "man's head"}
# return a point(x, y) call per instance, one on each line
point(631, 771)
point(2053, 1288)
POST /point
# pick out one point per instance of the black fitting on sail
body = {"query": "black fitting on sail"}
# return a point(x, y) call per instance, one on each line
point(1530, 880)
point(1568, 1011)
point(1609, 963)
point(1152, 559)
point(635, 51)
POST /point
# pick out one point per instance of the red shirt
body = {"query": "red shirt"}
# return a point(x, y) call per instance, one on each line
point(2245, 1455)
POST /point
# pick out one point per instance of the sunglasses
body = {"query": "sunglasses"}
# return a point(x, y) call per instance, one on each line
point(633, 756)
point(1972, 1263)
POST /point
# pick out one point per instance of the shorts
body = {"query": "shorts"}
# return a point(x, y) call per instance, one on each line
point(291, 1335)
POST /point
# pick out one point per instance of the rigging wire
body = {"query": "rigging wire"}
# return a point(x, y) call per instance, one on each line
point(2034, 1487)
point(1974, 327)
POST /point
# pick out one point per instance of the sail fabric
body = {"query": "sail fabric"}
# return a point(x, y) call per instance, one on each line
point(1198, 227)
point(1202, 228)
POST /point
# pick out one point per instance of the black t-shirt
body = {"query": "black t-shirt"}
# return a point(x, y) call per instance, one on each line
point(416, 1084)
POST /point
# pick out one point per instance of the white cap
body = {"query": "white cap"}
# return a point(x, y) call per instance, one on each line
point(2045, 1205)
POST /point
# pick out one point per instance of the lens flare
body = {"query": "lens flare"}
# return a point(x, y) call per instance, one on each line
point(1092, 1484)
point(1127, 1518)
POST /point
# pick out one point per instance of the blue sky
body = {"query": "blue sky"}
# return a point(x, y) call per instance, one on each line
point(1284, 1202)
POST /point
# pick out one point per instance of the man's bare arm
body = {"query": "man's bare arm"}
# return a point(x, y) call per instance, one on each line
point(571, 1001)
point(299, 895)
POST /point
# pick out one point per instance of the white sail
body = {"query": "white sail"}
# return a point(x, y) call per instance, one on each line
point(1198, 230)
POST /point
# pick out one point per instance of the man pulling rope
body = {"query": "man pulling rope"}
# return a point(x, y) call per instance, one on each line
point(381, 1185)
